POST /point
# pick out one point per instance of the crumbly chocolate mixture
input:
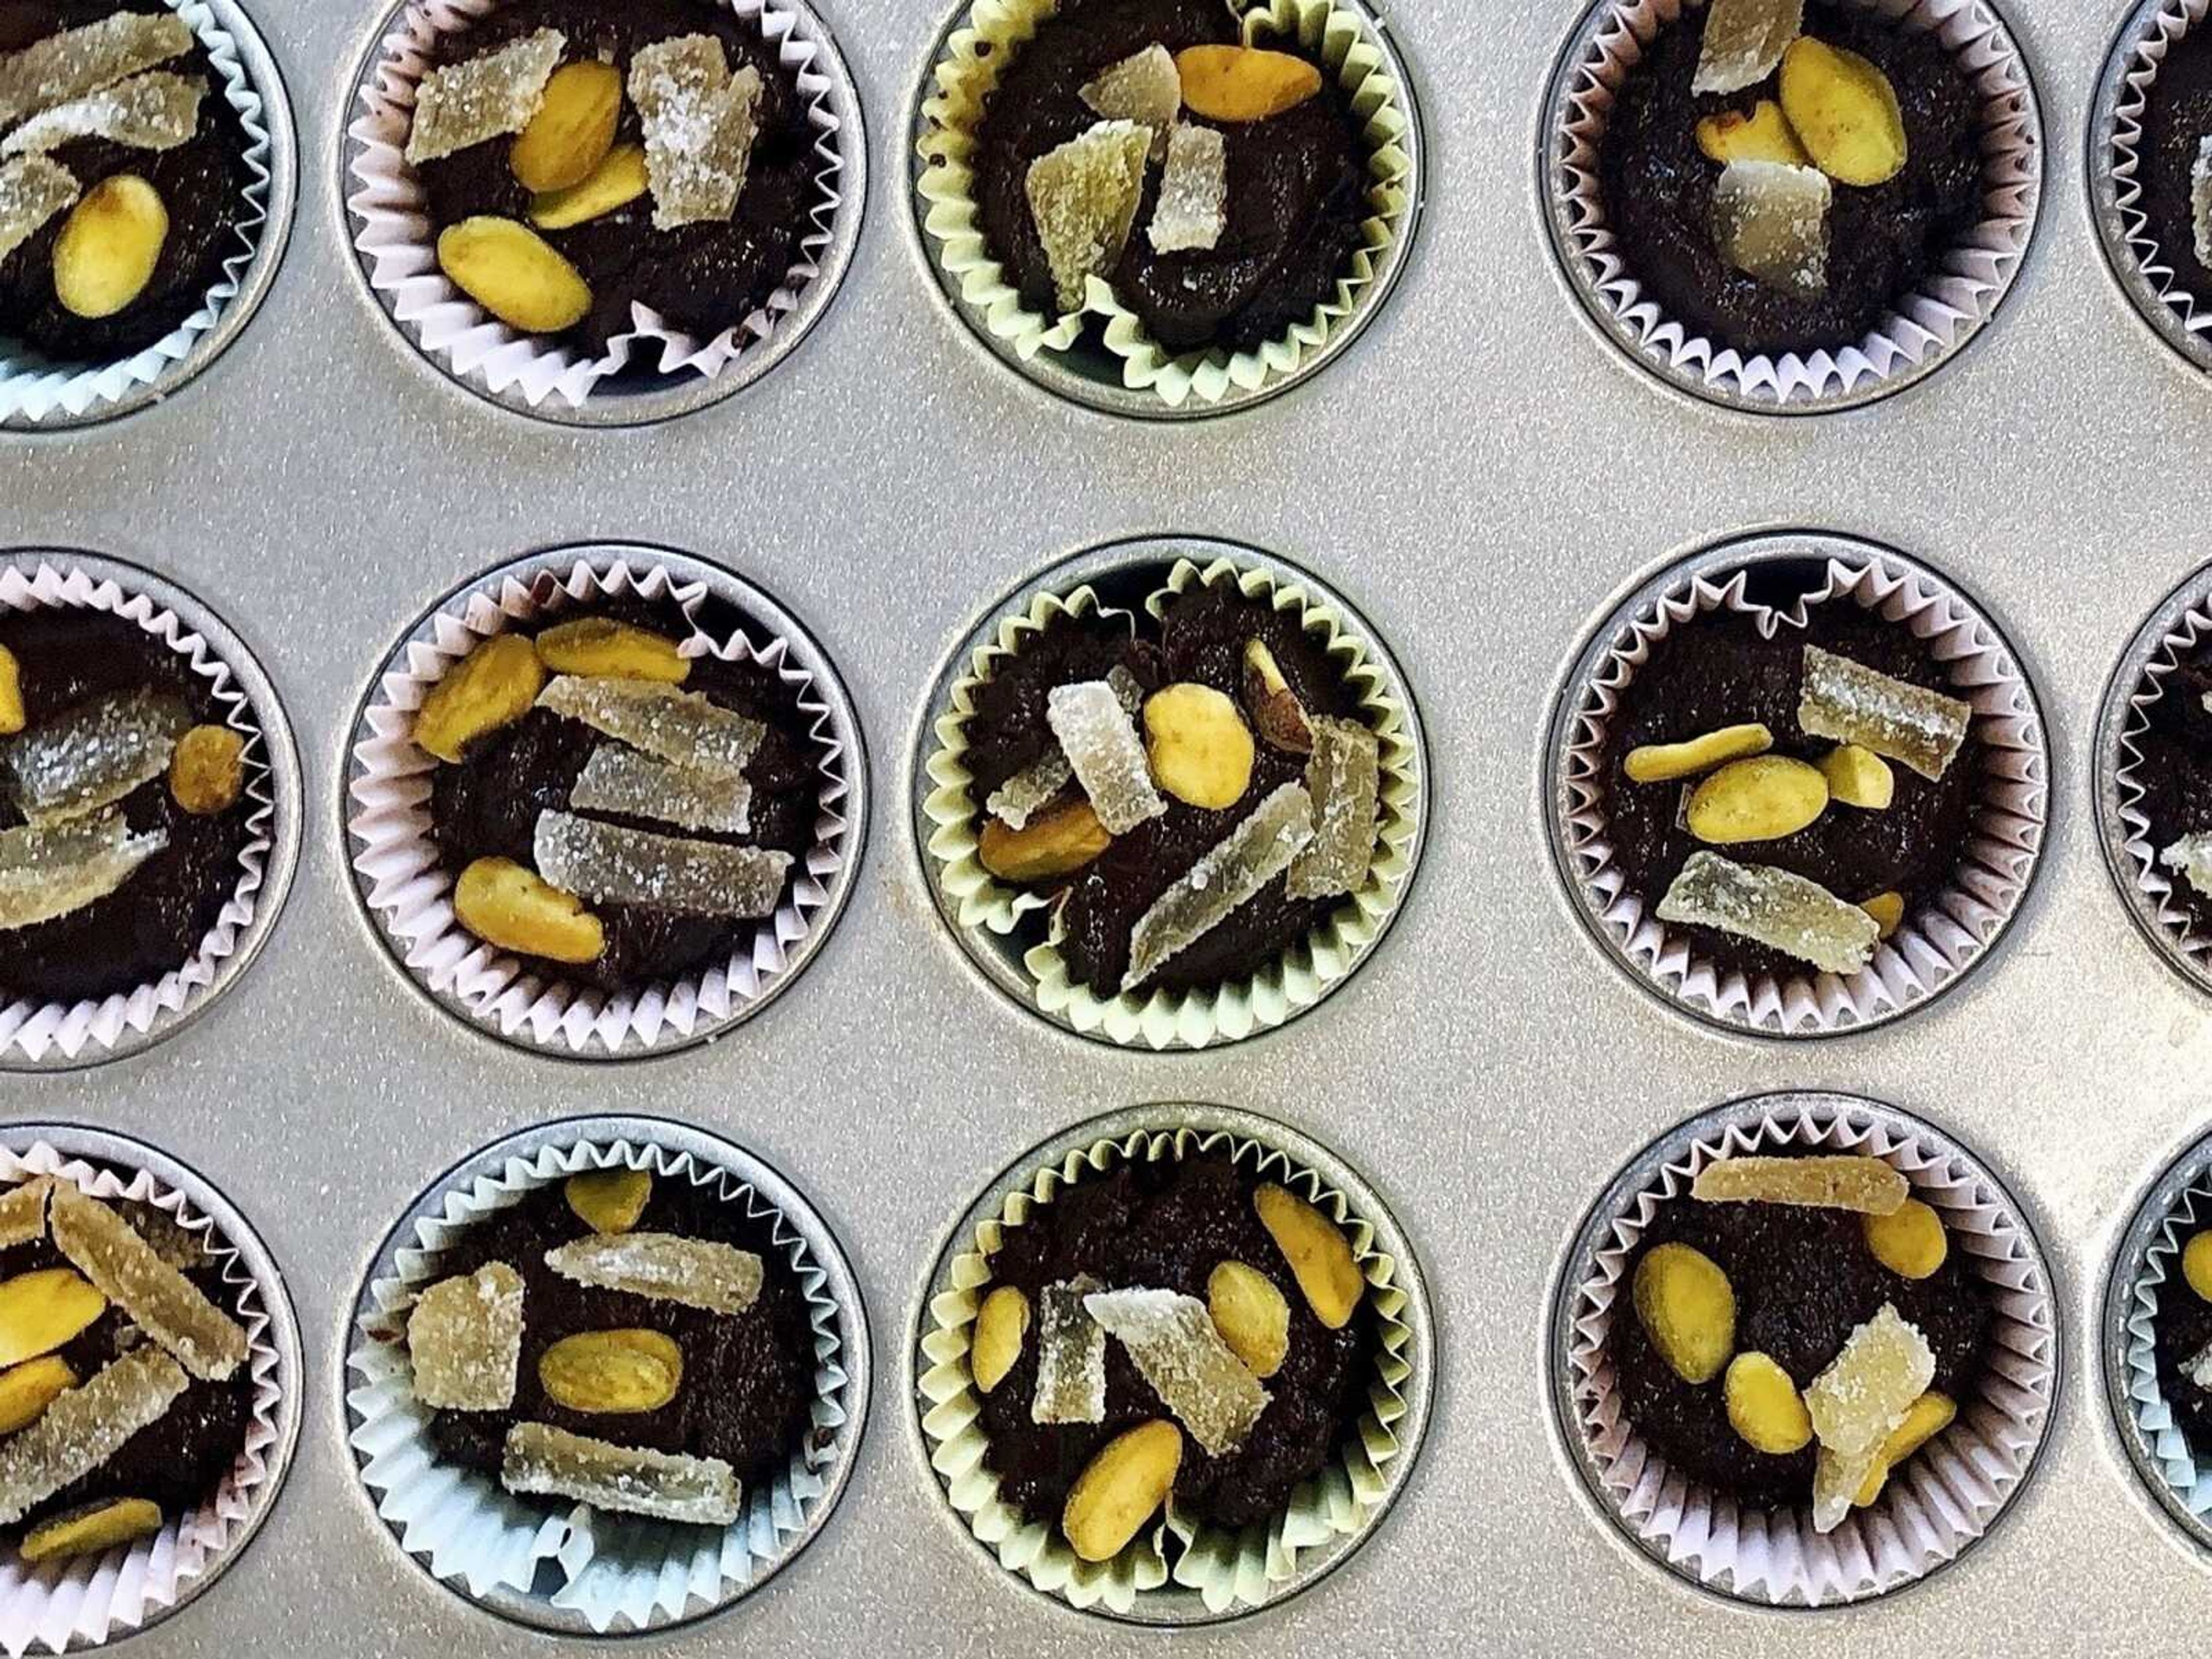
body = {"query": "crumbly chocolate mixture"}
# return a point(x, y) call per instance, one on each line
point(2177, 120)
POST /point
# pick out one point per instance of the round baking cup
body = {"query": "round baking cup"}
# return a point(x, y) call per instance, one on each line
point(92, 1608)
point(1944, 940)
point(571, 1588)
point(57, 1037)
point(39, 395)
point(1937, 1508)
point(1121, 574)
point(1953, 305)
point(1246, 1573)
point(404, 889)
point(401, 274)
point(1092, 376)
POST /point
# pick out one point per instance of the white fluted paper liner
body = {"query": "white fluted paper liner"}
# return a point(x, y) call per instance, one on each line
point(619, 1571)
point(1940, 1501)
point(35, 1029)
point(34, 387)
point(411, 890)
point(394, 235)
point(2161, 267)
point(2185, 1475)
point(1950, 303)
point(55, 1607)
point(967, 72)
point(1945, 932)
point(1244, 1567)
point(1297, 978)
point(2160, 886)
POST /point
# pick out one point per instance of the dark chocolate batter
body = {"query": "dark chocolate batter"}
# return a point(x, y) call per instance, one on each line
point(1717, 671)
point(2177, 120)
point(703, 278)
point(488, 806)
point(747, 1385)
point(1166, 1225)
point(1296, 182)
point(202, 182)
point(1883, 240)
point(1803, 1279)
point(2182, 1331)
point(2176, 772)
point(155, 921)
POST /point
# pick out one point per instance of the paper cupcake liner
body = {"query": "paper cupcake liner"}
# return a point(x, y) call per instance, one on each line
point(1936, 1505)
point(614, 1572)
point(408, 888)
point(1944, 933)
point(2187, 1478)
point(1295, 979)
point(2130, 73)
point(58, 1607)
point(397, 243)
point(89, 1030)
point(966, 72)
point(35, 389)
point(1952, 303)
point(1229, 1570)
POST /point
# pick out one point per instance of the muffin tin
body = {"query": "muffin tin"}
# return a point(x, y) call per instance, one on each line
point(1486, 482)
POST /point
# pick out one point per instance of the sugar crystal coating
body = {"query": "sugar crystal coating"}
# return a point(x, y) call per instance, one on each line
point(2200, 201)
point(627, 782)
point(1744, 41)
point(84, 1427)
point(610, 865)
point(700, 124)
point(1865, 1185)
point(131, 1273)
point(93, 755)
point(1084, 198)
point(1251, 855)
point(2192, 856)
point(1197, 1375)
point(462, 104)
point(1145, 87)
point(1863, 1395)
point(681, 727)
point(2199, 1368)
point(541, 1460)
point(32, 191)
point(45, 873)
point(697, 1273)
point(23, 1212)
point(1192, 210)
point(1071, 1379)
point(465, 1339)
point(1344, 778)
point(154, 111)
point(1014, 802)
point(1770, 222)
point(1773, 907)
point(68, 65)
point(1850, 702)
point(1100, 741)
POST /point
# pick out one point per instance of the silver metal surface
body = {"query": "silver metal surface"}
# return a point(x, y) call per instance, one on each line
point(1172, 1607)
point(1486, 476)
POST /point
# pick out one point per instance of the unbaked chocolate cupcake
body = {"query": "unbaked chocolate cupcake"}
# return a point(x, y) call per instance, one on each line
point(2152, 168)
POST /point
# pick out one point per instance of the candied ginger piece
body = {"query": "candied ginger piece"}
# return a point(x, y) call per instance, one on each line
point(1071, 1379)
point(1836, 1478)
point(1865, 1185)
point(84, 1427)
point(464, 1338)
point(1231, 870)
point(1774, 908)
point(1850, 702)
point(1192, 208)
point(45, 873)
point(610, 865)
point(1084, 198)
point(154, 110)
point(1744, 42)
point(1863, 1395)
point(1017, 801)
point(681, 727)
point(1197, 1375)
point(623, 781)
point(695, 1273)
point(1101, 743)
point(93, 755)
point(2200, 201)
point(464, 104)
point(32, 191)
point(129, 1272)
point(1344, 778)
point(23, 1212)
point(541, 1460)
point(1145, 87)
point(66, 66)
point(1770, 223)
point(2192, 856)
point(700, 124)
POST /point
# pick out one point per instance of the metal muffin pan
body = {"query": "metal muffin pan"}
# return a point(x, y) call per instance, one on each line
point(1485, 477)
